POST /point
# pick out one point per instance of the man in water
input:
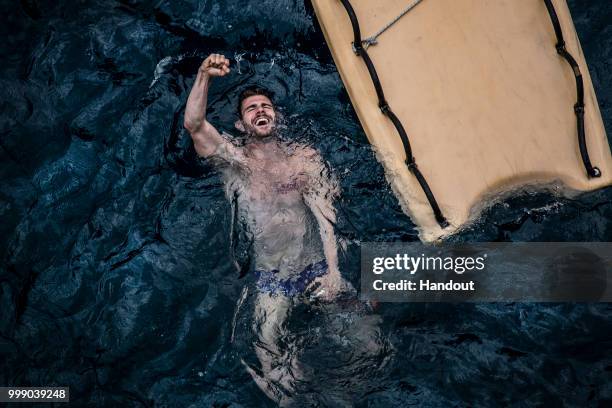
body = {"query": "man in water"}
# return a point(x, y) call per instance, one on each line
point(285, 196)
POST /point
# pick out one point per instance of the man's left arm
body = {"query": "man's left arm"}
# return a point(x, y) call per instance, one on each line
point(319, 196)
point(325, 214)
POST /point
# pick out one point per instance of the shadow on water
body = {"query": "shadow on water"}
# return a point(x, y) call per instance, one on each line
point(117, 278)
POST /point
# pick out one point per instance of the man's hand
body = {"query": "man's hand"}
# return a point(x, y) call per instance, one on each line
point(329, 286)
point(215, 65)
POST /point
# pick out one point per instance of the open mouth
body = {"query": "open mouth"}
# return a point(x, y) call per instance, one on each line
point(262, 121)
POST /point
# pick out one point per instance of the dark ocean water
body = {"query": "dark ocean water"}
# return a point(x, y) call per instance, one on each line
point(116, 278)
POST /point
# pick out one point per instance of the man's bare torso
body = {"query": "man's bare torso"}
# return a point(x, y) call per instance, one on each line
point(272, 180)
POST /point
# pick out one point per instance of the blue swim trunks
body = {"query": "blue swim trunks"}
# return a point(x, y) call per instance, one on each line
point(268, 282)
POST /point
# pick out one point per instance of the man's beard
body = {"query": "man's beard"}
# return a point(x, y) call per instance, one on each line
point(253, 131)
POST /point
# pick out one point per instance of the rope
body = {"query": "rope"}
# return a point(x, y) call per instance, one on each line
point(386, 109)
point(579, 106)
point(372, 39)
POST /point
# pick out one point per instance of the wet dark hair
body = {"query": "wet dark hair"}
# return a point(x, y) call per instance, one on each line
point(252, 91)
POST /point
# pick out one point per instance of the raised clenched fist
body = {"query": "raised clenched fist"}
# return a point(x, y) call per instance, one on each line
point(215, 65)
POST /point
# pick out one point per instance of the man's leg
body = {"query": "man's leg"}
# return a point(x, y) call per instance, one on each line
point(279, 367)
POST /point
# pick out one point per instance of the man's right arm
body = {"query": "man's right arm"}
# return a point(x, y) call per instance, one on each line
point(206, 139)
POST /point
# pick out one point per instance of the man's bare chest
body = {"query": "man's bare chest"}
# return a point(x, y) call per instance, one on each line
point(277, 174)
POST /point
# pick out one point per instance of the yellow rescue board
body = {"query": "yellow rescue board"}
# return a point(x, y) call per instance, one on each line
point(486, 101)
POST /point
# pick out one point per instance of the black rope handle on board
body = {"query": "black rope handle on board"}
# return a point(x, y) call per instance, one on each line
point(579, 106)
point(386, 109)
